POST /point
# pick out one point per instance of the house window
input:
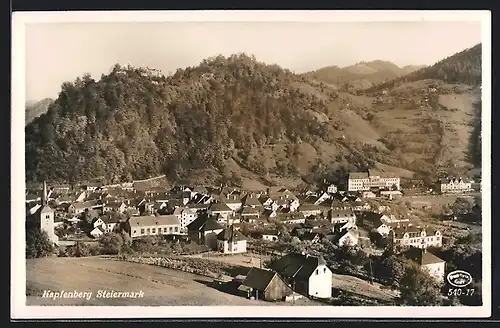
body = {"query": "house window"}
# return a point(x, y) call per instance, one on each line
point(176, 229)
point(135, 231)
point(324, 270)
point(170, 229)
point(165, 229)
point(142, 231)
point(148, 230)
point(317, 271)
point(154, 230)
point(47, 216)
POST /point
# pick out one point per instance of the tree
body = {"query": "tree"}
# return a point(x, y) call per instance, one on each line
point(245, 229)
point(391, 269)
point(80, 249)
point(418, 288)
point(127, 240)
point(89, 216)
point(446, 210)
point(143, 245)
point(462, 206)
point(38, 243)
point(463, 256)
point(111, 243)
point(177, 248)
point(60, 231)
point(285, 236)
point(350, 256)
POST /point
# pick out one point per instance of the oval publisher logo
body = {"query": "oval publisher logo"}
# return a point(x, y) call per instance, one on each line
point(459, 278)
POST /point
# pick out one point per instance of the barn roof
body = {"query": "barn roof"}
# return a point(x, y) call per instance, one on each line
point(297, 265)
point(259, 279)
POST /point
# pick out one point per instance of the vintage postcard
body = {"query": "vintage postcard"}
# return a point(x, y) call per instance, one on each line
point(251, 164)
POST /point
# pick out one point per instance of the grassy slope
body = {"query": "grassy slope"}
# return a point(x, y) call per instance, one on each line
point(416, 127)
point(341, 282)
point(160, 286)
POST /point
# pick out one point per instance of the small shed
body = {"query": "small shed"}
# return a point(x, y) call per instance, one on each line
point(265, 284)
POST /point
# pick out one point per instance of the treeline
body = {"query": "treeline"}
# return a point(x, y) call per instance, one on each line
point(463, 67)
point(132, 124)
point(475, 140)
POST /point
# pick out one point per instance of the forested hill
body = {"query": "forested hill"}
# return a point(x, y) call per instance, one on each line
point(462, 67)
point(134, 123)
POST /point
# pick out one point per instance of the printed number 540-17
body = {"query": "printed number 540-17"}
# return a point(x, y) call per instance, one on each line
point(460, 291)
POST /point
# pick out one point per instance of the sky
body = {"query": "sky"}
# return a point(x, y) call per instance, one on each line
point(59, 52)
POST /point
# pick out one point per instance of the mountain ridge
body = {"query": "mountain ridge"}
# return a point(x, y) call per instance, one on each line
point(234, 119)
point(361, 75)
point(462, 67)
point(34, 109)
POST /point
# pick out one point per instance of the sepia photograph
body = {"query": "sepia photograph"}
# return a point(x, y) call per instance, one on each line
point(251, 164)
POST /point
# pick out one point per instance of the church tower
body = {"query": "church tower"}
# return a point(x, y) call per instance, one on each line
point(46, 217)
point(44, 195)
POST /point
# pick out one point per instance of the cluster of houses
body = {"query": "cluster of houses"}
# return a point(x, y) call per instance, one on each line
point(214, 216)
point(414, 98)
point(341, 217)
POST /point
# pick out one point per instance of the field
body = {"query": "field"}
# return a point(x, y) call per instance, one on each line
point(449, 229)
point(161, 287)
point(435, 200)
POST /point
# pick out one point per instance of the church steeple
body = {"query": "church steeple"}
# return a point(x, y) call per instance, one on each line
point(44, 195)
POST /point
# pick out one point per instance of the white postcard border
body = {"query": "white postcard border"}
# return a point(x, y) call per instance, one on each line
point(19, 310)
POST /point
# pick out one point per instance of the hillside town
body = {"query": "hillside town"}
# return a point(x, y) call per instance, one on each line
point(230, 221)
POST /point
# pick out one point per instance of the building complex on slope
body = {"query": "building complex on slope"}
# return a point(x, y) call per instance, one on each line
point(360, 181)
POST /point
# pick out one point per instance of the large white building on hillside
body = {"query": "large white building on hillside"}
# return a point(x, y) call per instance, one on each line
point(454, 185)
point(154, 225)
point(358, 181)
point(419, 237)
